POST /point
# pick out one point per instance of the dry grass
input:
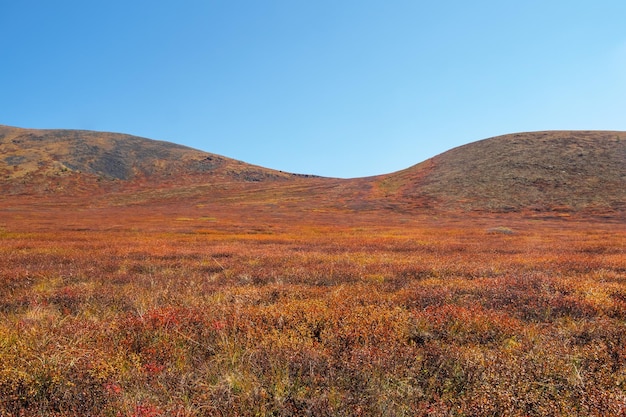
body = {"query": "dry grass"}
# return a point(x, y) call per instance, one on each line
point(114, 315)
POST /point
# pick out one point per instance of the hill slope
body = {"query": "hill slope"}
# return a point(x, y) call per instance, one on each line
point(558, 171)
point(541, 171)
point(70, 160)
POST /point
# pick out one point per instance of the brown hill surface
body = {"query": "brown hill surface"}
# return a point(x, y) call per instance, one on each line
point(67, 161)
point(558, 173)
point(555, 171)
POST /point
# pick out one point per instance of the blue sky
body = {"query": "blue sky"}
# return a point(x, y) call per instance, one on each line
point(339, 88)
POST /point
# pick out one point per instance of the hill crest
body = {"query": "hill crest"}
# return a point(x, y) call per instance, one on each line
point(541, 171)
point(33, 158)
point(552, 171)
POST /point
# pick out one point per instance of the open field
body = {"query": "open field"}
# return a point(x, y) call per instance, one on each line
point(162, 312)
point(141, 278)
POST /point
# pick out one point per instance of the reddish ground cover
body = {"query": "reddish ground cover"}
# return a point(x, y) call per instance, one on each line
point(171, 312)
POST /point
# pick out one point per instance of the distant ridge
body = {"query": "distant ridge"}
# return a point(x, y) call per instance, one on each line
point(558, 172)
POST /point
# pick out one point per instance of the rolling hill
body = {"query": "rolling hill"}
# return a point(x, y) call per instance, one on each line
point(562, 171)
point(68, 161)
point(559, 172)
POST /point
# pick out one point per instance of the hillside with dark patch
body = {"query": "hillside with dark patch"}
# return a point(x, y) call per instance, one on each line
point(73, 160)
point(557, 171)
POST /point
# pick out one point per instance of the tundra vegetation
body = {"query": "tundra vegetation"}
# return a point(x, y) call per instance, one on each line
point(145, 279)
point(106, 314)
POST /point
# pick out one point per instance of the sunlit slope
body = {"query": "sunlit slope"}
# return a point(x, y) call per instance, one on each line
point(562, 171)
point(69, 160)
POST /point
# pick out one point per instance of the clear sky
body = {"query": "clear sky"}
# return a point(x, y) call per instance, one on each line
point(342, 88)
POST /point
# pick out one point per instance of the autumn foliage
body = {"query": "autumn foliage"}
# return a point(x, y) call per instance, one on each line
point(105, 314)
